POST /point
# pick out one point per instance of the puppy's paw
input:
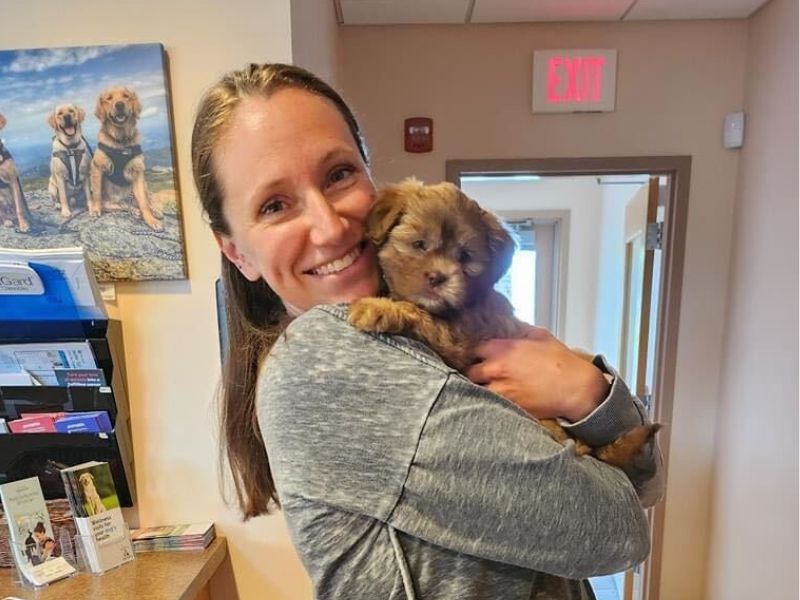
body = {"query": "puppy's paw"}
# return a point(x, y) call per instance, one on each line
point(622, 451)
point(8, 223)
point(374, 314)
point(66, 213)
point(24, 227)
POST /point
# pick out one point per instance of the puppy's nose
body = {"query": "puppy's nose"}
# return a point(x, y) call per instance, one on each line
point(435, 278)
point(120, 106)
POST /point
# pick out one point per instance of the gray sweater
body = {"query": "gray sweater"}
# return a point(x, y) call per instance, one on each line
point(401, 479)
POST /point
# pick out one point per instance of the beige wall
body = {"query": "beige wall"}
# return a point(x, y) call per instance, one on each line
point(170, 327)
point(755, 524)
point(676, 81)
point(315, 38)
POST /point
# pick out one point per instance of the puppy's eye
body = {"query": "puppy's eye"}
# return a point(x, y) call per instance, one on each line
point(464, 256)
point(419, 245)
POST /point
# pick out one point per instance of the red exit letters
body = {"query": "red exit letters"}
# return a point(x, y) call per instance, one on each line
point(575, 79)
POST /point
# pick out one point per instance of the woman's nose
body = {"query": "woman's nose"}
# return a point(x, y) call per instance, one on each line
point(327, 226)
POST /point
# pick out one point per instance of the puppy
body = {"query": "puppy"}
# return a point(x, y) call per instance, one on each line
point(91, 498)
point(12, 201)
point(70, 160)
point(117, 169)
point(441, 255)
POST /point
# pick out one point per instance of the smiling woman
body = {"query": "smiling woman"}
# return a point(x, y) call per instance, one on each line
point(398, 477)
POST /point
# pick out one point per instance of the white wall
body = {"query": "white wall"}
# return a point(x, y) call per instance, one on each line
point(611, 271)
point(581, 197)
point(755, 522)
point(315, 38)
point(169, 328)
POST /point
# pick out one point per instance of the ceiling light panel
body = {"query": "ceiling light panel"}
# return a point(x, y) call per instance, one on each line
point(692, 9)
point(512, 11)
point(399, 12)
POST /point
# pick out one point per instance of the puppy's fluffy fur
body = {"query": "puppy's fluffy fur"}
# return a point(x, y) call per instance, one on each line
point(13, 208)
point(70, 160)
point(441, 255)
point(117, 169)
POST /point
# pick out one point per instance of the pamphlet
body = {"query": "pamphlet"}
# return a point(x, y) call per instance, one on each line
point(98, 517)
point(36, 552)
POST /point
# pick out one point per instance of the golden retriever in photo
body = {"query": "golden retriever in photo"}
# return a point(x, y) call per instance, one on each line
point(91, 499)
point(117, 169)
point(13, 208)
point(441, 254)
point(70, 160)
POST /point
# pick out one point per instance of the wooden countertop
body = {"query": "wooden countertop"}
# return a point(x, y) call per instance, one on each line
point(153, 575)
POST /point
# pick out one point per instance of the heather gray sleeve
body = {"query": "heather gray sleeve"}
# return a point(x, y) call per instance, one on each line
point(487, 481)
point(620, 412)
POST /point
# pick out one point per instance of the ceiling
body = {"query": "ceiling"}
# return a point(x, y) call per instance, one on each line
point(406, 12)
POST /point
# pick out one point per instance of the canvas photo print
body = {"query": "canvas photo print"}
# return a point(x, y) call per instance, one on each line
point(86, 158)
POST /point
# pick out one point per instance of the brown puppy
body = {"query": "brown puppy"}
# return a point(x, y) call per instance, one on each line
point(117, 169)
point(70, 160)
point(12, 201)
point(441, 255)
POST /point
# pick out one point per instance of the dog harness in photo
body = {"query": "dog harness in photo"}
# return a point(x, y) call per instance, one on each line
point(6, 155)
point(120, 157)
point(71, 156)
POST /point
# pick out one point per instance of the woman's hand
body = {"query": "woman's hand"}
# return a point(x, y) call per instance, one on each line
point(541, 375)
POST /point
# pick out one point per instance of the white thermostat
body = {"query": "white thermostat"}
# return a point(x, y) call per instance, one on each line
point(733, 130)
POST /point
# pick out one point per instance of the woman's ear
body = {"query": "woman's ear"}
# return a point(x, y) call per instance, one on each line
point(385, 213)
point(228, 247)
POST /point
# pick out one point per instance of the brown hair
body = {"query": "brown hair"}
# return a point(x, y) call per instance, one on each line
point(254, 313)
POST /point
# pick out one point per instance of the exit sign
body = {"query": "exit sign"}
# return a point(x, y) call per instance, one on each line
point(574, 80)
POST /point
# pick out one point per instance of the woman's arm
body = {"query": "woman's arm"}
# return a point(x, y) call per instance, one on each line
point(548, 380)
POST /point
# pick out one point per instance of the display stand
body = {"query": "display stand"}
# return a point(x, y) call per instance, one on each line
point(87, 561)
point(53, 318)
point(67, 553)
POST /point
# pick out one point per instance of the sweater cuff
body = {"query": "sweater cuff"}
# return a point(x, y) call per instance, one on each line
point(618, 413)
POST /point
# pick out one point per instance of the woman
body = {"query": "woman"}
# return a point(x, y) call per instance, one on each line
point(398, 477)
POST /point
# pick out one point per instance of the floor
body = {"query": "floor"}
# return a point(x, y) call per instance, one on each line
point(609, 587)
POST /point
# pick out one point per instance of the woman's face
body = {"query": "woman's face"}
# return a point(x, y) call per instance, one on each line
point(296, 193)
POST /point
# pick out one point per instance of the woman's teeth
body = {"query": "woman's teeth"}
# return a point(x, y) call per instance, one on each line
point(339, 264)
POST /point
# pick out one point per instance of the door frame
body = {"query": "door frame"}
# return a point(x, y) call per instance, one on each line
point(678, 169)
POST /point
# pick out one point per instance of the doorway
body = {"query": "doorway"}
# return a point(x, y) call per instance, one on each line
point(609, 271)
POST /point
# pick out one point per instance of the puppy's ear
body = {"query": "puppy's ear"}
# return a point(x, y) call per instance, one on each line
point(2, 121)
point(135, 104)
point(51, 120)
point(385, 213)
point(501, 245)
point(81, 114)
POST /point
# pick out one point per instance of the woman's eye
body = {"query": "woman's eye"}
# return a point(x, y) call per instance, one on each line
point(340, 174)
point(464, 256)
point(419, 245)
point(271, 207)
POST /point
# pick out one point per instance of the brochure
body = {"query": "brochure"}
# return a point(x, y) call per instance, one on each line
point(186, 536)
point(98, 517)
point(36, 552)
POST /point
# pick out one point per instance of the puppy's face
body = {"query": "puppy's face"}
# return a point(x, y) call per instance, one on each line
point(118, 106)
point(437, 248)
point(2, 121)
point(86, 480)
point(66, 120)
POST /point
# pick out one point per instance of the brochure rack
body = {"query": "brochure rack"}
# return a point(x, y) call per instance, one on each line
point(53, 318)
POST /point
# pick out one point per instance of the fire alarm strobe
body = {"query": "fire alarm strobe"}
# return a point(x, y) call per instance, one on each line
point(419, 134)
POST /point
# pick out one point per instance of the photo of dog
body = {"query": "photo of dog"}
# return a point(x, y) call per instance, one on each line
point(107, 182)
point(70, 160)
point(441, 254)
point(118, 163)
point(13, 208)
point(91, 499)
